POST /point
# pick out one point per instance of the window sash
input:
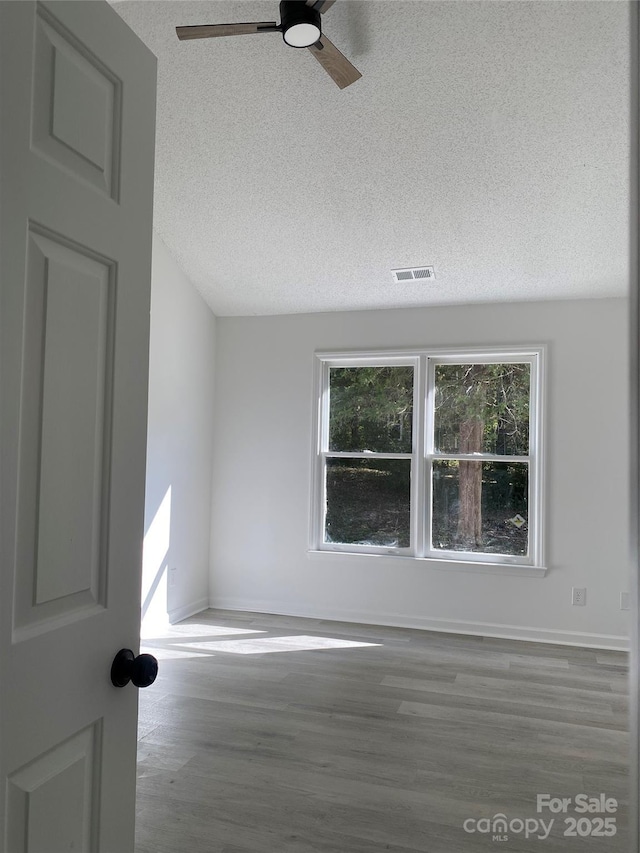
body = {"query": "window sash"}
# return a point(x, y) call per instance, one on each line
point(479, 457)
point(355, 547)
point(476, 556)
point(363, 454)
point(423, 453)
point(323, 452)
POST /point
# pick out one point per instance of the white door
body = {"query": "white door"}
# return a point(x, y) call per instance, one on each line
point(77, 114)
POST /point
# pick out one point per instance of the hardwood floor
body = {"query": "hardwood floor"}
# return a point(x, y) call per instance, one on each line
point(273, 734)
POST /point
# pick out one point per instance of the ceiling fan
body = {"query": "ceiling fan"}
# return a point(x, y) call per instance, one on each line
point(300, 27)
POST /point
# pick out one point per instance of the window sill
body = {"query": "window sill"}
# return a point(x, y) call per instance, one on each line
point(437, 565)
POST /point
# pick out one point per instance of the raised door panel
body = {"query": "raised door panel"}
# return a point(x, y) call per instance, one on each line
point(76, 107)
point(52, 802)
point(65, 433)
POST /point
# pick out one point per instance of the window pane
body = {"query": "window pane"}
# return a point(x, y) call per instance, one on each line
point(368, 502)
point(370, 408)
point(482, 408)
point(480, 506)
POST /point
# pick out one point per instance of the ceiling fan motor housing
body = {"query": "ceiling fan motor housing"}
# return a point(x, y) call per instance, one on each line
point(298, 23)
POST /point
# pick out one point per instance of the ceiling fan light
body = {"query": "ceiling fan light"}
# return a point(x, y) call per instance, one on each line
point(300, 24)
point(302, 35)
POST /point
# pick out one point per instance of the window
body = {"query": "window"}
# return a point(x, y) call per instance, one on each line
point(430, 454)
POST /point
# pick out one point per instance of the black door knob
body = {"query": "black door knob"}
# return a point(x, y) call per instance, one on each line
point(126, 667)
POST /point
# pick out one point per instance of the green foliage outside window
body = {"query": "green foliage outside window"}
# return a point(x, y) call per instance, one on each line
point(478, 408)
point(371, 409)
point(495, 396)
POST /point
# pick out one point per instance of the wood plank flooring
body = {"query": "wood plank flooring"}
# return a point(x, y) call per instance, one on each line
point(273, 734)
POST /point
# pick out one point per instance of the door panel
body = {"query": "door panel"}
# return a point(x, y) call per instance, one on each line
point(52, 802)
point(72, 451)
point(64, 461)
point(76, 167)
point(76, 106)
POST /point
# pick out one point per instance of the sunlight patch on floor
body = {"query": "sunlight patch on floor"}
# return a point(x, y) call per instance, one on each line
point(267, 645)
point(161, 653)
point(192, 629)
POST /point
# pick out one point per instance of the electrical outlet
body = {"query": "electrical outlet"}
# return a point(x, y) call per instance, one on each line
point(625, 601)
point(579, 596)
point(173, 575)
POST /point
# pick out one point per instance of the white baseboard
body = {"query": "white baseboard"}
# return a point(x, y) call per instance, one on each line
point(187, 610)
point(447, 626)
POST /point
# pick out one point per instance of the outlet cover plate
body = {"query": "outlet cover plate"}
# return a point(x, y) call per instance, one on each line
point(579, 596)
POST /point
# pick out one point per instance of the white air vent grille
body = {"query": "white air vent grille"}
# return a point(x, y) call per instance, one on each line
point(414, 273)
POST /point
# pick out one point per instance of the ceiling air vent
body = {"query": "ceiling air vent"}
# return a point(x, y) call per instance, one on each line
point(413, 274)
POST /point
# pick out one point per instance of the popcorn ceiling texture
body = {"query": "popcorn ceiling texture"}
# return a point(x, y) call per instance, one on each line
point(488, 139)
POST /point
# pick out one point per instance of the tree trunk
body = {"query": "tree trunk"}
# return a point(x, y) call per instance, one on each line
point(470, 491)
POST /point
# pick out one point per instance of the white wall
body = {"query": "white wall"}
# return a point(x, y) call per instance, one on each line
point(261, 489)
point(179, 445)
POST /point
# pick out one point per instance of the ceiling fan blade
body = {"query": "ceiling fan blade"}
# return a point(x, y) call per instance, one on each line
point(337, 66)
point(207, 31)
point(321, 6)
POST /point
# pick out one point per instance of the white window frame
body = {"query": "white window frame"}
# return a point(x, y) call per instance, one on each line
point(422, 455)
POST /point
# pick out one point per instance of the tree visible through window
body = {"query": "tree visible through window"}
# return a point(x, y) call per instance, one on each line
point(454, 474)
point(371, 414)
point(481, 505)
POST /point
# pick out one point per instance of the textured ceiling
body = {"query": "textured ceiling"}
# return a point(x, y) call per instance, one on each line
point(488, 139)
